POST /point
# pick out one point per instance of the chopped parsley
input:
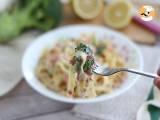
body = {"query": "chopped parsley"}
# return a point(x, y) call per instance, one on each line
point(84, 48)
point(89, 61)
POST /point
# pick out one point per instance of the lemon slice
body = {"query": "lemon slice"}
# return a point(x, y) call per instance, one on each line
point(87, 9)
point(118, 14)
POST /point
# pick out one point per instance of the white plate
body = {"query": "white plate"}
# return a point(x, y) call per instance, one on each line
point(125, 47)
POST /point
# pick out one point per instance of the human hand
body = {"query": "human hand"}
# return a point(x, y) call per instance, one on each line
point(157, 79)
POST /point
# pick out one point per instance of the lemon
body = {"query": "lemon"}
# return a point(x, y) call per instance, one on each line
point(87, 9)
point(118, 14)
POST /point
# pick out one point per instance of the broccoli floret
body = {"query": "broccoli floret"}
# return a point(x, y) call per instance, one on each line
point(39, 14)
point(11, 25)
point(8, 27)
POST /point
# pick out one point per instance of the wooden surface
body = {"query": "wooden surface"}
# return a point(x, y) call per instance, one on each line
point(24, 103)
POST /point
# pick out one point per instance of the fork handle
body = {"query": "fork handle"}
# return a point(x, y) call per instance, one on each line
point(147, 74)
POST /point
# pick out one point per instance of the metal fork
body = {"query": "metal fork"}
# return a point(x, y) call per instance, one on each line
point(100, 70)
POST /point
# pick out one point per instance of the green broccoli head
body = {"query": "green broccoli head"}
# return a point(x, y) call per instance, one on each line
point(38, 14)
point(9, 27)
point(45, 14)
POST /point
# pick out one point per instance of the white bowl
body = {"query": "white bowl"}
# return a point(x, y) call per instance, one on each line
point(125, 47)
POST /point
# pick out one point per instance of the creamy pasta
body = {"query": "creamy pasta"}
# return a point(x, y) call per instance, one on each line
point(66, 68)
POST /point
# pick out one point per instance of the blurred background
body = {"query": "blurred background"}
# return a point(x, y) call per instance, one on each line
point(21, 21)
point(17, 17)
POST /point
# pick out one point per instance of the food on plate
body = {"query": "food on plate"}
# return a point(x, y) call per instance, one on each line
point(66, 68)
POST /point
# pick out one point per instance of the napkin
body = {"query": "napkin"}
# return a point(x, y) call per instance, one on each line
point(10, 61)
point(124, 106)
point(150, 110)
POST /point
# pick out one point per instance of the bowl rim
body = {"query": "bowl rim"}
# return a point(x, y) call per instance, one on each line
point(61, 98)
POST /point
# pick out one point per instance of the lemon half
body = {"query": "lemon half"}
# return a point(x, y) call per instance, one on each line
point(118, 14)
point(87, 9)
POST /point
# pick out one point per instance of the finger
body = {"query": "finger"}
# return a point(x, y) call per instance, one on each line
point(157, 82)
point(158, 72)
